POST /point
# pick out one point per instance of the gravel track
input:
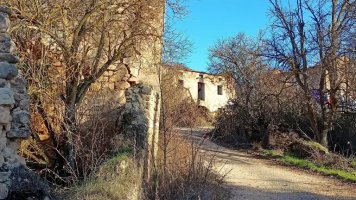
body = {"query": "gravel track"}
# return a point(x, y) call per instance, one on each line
point(252, 178)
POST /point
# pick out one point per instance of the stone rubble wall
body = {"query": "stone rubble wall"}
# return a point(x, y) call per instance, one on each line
point(140, 120)
point(14, 107)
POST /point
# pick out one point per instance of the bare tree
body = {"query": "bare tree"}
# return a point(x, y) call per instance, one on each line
point(260, 90)
point(84, 38)
point(313, 33)
point(176, 45)
point(239, 57)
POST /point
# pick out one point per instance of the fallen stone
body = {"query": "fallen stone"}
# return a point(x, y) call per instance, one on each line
point(7, 71)
point(6, 97)
point(8, 57)
point(24, 104)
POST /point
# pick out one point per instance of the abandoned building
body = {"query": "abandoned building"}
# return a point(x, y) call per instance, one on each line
point(212, 91)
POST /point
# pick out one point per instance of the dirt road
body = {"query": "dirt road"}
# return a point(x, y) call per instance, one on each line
point(254, 178)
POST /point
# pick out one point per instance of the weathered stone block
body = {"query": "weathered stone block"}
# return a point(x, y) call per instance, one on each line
point(4, 22)
point(7, 71)
point(111, 86)
point(18, 84)
point(2, 161)
point(4, 191)
point(19, 126)
point(121, 85)
point(6, 45)
point(18, 132)
point(146, 89)
point(8, 57)
point(25, 184)
point(4, 83)
point(3, 142)
point(4, 175)
point(5, 10)
point(5, 116)
point(6, 97)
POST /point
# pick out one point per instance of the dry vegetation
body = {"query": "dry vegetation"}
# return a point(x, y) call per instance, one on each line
point(300, 78)
point(182, 171)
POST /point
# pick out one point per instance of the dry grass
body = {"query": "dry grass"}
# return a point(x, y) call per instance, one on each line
point(187, 174)
point(117, 178)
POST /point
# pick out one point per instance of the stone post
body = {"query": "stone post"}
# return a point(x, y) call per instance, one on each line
point(140, 120)
point(14, 106)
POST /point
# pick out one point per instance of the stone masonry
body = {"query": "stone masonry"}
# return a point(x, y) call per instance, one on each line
point(14, 107)
point(140, 120)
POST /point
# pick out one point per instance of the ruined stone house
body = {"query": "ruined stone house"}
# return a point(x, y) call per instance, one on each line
point(14, 112)
point(135, 86)
point(212, 91)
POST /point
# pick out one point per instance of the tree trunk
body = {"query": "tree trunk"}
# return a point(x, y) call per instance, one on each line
point(323, 138)
point(69, 129)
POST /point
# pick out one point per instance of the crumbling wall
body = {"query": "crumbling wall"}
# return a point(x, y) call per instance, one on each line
point(140, 120)
point(14, 119)
point(141, 82)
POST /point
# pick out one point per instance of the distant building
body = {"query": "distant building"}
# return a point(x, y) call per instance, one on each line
point(208, 90)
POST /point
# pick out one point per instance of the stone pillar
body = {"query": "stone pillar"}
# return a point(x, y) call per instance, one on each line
point(14, 106)
point(140, 120)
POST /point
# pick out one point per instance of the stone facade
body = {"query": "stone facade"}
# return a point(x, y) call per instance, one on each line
point(208, 90)
point(14, 110)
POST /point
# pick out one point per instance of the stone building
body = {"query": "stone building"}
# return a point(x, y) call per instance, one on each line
point(133, 84)
point(212, 91)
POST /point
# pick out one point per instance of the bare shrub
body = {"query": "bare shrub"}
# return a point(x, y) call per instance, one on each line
point(189, 174)
point(182, 171)
point(117, 178)
point(96, 139)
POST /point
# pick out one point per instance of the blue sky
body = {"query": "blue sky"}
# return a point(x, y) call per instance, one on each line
point(210, 20)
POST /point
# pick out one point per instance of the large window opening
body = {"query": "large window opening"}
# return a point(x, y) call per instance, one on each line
point(201, 91)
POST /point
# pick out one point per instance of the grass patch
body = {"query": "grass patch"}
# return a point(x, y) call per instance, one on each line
point(317, 168)
point(316, 145)
point(272, 153)
point(306, 164)
point(353, 163)
point(117, 178)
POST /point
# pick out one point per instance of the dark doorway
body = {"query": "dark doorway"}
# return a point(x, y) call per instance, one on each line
point(201, 91)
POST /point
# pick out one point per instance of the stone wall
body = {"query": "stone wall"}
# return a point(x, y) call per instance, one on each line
point(14, 119)
point(140, 121)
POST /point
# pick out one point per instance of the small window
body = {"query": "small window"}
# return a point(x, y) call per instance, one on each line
point(180, 83)
point(220, 89)
point(220, 79)
point(201, 76)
